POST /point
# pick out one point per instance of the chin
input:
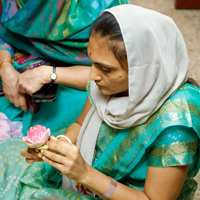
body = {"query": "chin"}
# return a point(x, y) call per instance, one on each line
point(105, 92)
point(109, 93)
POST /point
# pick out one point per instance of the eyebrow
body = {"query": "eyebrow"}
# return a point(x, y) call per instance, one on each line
point(105, 65)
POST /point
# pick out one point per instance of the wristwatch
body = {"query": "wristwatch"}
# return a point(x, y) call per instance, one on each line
point(53, 75)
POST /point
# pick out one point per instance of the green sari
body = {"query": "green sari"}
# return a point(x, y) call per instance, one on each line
point(56, 33)
point(169, 138)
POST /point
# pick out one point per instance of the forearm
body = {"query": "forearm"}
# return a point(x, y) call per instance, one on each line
point(100, 184)
point(74, 76)
point(5, 56)
point(73, 131)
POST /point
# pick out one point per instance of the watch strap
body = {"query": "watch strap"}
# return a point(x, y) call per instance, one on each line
point(111, 189)
point(53, 72)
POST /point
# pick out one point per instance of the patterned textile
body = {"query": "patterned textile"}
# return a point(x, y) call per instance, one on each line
point(155, 143)
point(39, 180)
point(52, 29)
point(48, 32)
point(9, 129)
point(5, 46)
point(169, 138)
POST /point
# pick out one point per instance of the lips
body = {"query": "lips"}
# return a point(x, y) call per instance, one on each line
point(100, 86)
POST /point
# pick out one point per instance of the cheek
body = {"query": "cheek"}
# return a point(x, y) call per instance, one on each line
point(122, 81)
point(122, 78)
point(119, 82)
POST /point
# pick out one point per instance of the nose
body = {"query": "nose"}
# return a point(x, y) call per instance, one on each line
point(94, 74)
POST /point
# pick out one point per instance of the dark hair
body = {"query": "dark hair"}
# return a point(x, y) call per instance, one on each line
point(106, 26)
point(193, 82)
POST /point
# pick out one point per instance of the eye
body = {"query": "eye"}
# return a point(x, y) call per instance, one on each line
point(105, 70)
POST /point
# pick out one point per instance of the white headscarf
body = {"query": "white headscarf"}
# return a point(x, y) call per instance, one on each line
point(157, 67)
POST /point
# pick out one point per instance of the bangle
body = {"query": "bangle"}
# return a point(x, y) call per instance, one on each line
point(4, 62)
point(63, 136)
point(111, 189)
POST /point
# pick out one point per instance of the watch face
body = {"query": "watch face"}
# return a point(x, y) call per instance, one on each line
point(53, 76)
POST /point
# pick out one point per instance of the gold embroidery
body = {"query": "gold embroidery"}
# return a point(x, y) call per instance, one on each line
point(174, 149)
point(177, 110)
point(180, 153)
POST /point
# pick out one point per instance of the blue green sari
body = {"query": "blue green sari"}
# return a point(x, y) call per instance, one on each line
point(169, 138)
point(53, 33)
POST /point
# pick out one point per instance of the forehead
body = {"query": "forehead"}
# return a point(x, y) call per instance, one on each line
point(96, 42)
point(99, 51)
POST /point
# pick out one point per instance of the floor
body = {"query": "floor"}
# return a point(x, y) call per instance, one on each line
point(188, 21)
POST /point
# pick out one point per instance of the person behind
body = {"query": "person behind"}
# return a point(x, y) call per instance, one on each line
point(138, 134)
point(54, 36)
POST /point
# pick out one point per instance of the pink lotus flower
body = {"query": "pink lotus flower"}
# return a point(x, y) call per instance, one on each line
point(37, 136)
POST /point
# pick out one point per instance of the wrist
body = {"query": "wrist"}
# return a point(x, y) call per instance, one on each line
point(65, 138)
point(4, 67)
point(101, 185)
point(53, 75)
point(46, 71)
point(86, 178)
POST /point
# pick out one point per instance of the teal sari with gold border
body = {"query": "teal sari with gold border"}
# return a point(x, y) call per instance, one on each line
point(169, 138)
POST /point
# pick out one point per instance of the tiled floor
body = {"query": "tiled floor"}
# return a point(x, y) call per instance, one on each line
point(188, 22)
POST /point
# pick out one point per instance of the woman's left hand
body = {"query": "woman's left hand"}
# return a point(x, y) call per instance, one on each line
point(66, 158)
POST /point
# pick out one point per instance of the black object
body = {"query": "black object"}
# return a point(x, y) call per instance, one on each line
point(32, 107)
point(46, 94)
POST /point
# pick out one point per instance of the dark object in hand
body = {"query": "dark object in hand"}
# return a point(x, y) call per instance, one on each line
point(32, 107)
point(46, 94)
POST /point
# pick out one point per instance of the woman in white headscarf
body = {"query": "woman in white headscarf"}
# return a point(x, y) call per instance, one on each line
point(138, 134)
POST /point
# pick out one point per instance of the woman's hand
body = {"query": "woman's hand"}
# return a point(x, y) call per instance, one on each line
point(32, 80)
point(9, 77)
point(32, 155)
point(66, 158)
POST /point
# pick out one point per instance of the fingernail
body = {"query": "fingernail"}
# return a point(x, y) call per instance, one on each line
point(52, 137)
point(40, 155)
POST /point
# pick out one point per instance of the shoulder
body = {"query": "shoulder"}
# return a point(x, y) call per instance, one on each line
point(176, 145)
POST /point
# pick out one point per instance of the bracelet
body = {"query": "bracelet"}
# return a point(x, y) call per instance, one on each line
point(63, 136)
point(4, 62)
point(111, 189)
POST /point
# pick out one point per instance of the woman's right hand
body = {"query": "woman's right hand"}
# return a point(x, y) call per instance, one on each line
point(9, 77)
point(32, 155)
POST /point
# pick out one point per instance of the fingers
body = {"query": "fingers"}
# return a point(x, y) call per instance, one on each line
point(54, 157)
point(65, 157)
point(58, 166)
point(22, 102)
point(31, 155)
point(59, 146)
point(64, 164)
point(18, 99)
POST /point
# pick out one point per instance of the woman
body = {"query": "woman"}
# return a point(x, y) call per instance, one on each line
point(45, 34)
point(139, 124)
